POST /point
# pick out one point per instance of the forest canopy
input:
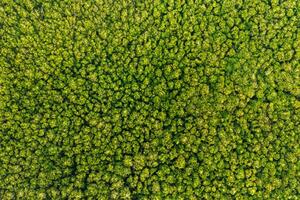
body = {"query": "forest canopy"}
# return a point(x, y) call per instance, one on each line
point(153, 99)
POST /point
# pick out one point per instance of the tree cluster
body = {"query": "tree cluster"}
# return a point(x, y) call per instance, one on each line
point(154, 99)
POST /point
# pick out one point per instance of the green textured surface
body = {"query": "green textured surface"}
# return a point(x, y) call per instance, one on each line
point(149, 99)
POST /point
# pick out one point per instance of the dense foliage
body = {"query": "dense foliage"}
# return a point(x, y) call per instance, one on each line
point(152, 99)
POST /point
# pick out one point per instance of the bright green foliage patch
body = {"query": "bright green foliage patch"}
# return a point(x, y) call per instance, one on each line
point(153, 99)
